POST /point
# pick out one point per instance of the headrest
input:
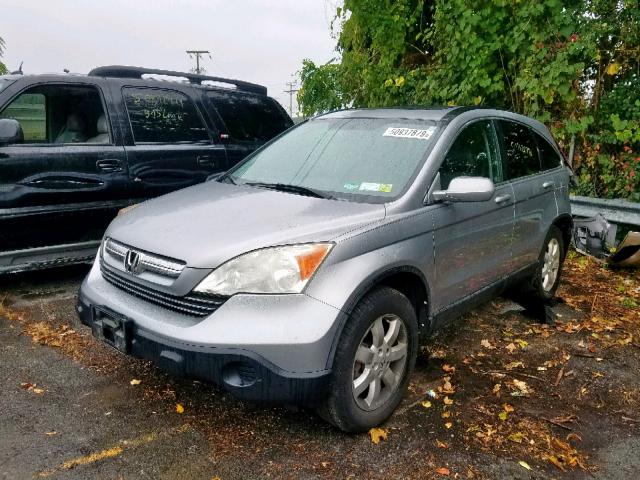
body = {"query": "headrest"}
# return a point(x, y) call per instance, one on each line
point(75, 123)
point(102, 124)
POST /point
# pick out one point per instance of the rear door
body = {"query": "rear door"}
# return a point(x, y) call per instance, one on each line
point(247, 120)
point(67, 179)
point(168, 145)
point(534, 189)
point(472, 240)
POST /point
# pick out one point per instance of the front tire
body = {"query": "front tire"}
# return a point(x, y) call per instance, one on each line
point(375, 356)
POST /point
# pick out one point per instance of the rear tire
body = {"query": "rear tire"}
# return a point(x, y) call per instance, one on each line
point(374, 358)
point(542, 285)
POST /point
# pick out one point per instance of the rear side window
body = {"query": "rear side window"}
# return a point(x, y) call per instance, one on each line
point(163, 116)
point(520, 150)
point(249, 118)
point(549, 158)
point(473, 154)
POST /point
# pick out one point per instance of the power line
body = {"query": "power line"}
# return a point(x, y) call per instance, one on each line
point(197, 54)
point(291, 91)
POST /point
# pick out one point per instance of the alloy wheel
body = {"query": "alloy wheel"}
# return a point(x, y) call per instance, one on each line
point(380, 362)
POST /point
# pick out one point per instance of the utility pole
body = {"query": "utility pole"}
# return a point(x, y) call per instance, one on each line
point(197, 54)
point(291, 91)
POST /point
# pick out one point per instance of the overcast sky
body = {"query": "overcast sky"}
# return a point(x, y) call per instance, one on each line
point(262, 41)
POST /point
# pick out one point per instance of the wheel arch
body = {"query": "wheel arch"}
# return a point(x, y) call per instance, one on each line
point(408, 280)
point(565, 224)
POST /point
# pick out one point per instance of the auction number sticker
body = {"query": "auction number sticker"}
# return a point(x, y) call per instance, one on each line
point(401, 132)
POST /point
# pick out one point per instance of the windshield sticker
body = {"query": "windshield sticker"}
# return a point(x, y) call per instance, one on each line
point(351, 186)
point(376, 187)
point(399, 132)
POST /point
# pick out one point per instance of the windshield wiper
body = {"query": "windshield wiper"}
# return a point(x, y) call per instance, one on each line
point(285, 187)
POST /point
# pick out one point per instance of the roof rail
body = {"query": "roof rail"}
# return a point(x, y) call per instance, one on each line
point(124, 71)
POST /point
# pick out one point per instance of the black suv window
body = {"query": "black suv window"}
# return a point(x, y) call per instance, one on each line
point(549, 157)
point(163, 116)
point(520, 150)
point(473, 154)
point(251, 118)
point(60, 114)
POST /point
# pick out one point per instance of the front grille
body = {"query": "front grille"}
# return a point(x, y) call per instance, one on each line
point(192, 304)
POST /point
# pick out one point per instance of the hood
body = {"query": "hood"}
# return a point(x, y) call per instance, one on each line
point(210, 223)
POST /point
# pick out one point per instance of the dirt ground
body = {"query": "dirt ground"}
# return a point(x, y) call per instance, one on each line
point(495, 395)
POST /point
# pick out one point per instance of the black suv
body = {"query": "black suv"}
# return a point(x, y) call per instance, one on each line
point(74, 149)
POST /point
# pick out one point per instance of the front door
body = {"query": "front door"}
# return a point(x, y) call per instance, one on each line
point(64, 183)
point(169, 145)
point(472, 240)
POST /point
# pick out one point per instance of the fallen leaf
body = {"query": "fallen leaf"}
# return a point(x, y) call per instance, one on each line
point(516, 437)
point(27, 385)
point(448, 425)
point(446, 414)
point(447, 401)
point(512, 365)
point(135, 381)
point(508, 408)
point(440, 444)
point(448, 368)
point(38, 391)
point(443, 471)
point(378, 434)
point(522, 389)
point(503, 416)
point(486, 344)
point(179, 408)
point(511, 347)
point(496, 388)
point(524, 464)
point(426, 404)
point(50, 434)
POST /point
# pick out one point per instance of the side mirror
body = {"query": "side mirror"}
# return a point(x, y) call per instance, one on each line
point(10, 131)
point(466, 189)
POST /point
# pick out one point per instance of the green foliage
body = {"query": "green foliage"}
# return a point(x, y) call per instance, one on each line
point(320, 90)
point(572, 64)
point(3, 68)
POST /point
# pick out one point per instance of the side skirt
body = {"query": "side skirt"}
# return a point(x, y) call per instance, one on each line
point(47, 257)
point(447, 314)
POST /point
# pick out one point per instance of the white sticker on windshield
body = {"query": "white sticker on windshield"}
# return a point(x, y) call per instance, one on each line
point(376, 187)
point(401, 132)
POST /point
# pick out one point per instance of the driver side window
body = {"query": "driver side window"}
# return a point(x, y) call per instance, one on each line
point(473, 154)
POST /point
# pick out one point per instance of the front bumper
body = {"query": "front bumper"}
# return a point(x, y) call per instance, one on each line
point(260, 348)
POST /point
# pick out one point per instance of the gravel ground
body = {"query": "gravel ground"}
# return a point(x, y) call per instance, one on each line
point(514, 399)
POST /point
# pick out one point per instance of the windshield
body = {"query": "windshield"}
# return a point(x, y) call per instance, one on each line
point(359, 159)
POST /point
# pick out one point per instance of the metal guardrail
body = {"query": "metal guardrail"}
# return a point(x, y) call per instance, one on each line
point(614, 210)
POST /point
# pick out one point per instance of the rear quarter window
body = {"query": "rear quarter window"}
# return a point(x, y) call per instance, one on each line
point(520, 150)
point(549, 158)
point(249, 118)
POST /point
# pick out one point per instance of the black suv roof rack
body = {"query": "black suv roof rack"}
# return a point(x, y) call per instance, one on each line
point(124, 71)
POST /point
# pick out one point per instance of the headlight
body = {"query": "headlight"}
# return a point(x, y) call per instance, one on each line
point(269, 270)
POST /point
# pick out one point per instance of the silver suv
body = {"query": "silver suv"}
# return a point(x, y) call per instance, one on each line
point(308, 273)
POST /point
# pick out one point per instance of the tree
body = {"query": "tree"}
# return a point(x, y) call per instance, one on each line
point(571, 64)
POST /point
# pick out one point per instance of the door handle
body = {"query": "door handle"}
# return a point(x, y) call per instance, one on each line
point(204, 160)
point(502, 198)
point(548, 185)
point(109, 165)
